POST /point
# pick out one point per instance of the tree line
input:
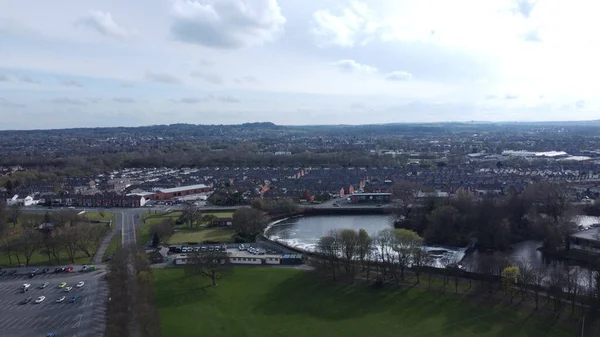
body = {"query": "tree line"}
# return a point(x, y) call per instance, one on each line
point(56, 235)
point(542, 211)
point(397, 256)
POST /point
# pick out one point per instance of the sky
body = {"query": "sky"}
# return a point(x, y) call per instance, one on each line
point(95, 63)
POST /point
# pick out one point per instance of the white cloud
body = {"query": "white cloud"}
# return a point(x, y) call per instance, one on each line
point(351, 66)
point(124, 100)
point(532, 35)
point(227, 23)
point(162, 78)
point(5, 78)
point(27, 79)
point(189, 100)
point(208, 77)
point(71, 83)
point(511, 96)
point(9, 104)
point(67, 101)
point(103, 23)
point(399, 76)
point(356, 24)
point(524, 7)
point(226, 99)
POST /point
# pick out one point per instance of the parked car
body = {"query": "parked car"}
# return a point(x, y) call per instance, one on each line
point(44, 285)
point(14, 271)
point(51, 334)
point(62, 284)
point(40, 299)
point(2, 272)
point(35, 271)
point(84, 268)
point(61, 299)
point(74, 299)
point(68, 289)
point(242, 247)
point(26, 300)
point(69, 269)
point(80, 284)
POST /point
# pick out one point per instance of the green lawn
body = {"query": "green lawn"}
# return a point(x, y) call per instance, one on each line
point(266, 302)
point(100, 216)
point(38, 259)
point(115, 242)
point(216, 234)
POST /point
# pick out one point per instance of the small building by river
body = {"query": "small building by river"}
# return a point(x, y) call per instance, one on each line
point(587, 240)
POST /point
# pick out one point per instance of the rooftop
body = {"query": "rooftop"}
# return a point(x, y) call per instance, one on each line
point(588, 234)
point(182, 188)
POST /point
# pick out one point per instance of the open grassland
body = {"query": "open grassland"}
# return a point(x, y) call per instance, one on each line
point(266, 302)
point(215, 234)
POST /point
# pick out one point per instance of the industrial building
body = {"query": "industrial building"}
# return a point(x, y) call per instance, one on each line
point(378, 198)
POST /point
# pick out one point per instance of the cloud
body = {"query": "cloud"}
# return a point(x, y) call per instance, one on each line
point(227, 99)
point(27, 79)
point(399, 76)
point(524, 7)
point(5, 78)
point(358, 106)
point(189, 100)
point(581, 104)
point(511, 96)
point(94, 100)
point(124, 100)
point(356, 24)
point(490, 97)
point(162, 78)
point(351, 66)
point(532, 35)
point(206, 63)
point(8, 104)
point(227, 23)
point(67, 101)
point(103, 23)
point(245, 79)
point(71, 83)
point(208, 77)
point(127, 85)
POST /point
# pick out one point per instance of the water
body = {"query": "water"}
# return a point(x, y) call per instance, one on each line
point(304, 232)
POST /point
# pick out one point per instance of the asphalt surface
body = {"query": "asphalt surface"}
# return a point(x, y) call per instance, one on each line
point(84, 318)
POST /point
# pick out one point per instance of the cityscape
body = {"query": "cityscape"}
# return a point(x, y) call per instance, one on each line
point(271, 168)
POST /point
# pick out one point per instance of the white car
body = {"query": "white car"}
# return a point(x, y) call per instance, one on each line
point(40, 299)
point(61, 299)
point(26, 285)
point(67, 289)
point(42, 286)
point(80, 284)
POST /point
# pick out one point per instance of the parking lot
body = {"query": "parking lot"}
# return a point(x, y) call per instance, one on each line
point(83, 318)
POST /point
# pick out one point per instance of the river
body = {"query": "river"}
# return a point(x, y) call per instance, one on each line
point(304, 233)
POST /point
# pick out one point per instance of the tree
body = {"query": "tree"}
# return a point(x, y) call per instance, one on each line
point(443, 226)
point(155, 240)
point(364, 246)
point(15, 212)
point(406, 243)
point(249, 222)
point(163, 229)
point(404, 194)
point(348, 245)
point(384, 243)
point(328, 249)
point(510, 277)
point(538, 275)
point(212, 264)
point(29, 241)
point(88, 237)
point(551, 199)
point(420, 258)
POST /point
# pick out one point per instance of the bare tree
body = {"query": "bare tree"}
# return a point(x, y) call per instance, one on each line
point(420, 258)
point(69, 237)
point(211, 264)
point(364, 248)
point(538, 275)
point(348, 245)
point(88, 237)
point(328, 247)
point(8, 245)
point(405, 195)
point(15, 213)
point(29, 242)
point(384, 243)
point(555, 282)
point(526, 276)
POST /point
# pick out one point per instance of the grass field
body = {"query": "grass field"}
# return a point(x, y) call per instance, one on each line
point(38, 259)
point(104, 216)
point(115, 242)
point(216, 234)
point(266, 302)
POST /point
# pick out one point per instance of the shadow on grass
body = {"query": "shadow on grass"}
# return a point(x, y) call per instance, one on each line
point(419, 312)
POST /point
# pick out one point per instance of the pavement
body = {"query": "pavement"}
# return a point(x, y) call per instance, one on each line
point(84, 318)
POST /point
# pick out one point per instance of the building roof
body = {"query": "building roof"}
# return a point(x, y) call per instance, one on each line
point(592, 234)
point(182, 188)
